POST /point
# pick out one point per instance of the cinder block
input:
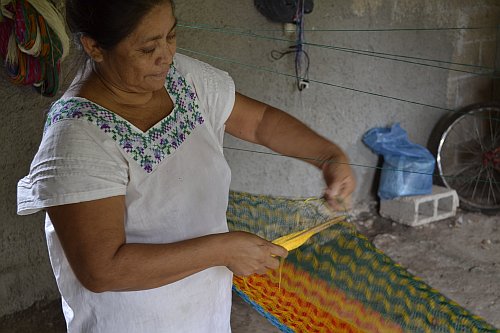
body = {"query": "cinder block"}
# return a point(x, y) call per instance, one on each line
point(421, 209)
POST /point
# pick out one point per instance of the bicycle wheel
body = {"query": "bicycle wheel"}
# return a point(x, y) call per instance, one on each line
point(468, 157)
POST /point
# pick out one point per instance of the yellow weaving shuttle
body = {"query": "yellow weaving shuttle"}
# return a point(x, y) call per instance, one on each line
point(296, 239)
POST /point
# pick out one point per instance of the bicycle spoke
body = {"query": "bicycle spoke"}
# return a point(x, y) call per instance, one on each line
point(476, 130)
point(491, 188)
point(459, 172)
point(477, 182)
point(491, 131)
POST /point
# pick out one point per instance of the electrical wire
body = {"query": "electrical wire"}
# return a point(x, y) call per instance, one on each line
point(302, 76)
point(302, 60)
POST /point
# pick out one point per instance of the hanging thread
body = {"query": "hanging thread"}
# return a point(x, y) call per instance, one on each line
point(270, 70)
point(305, 158)
point(265, 69)
point(485, 71)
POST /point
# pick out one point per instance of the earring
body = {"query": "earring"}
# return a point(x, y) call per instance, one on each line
point(96, 57)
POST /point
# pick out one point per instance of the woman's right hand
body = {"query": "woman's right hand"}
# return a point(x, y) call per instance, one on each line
point(247, 254)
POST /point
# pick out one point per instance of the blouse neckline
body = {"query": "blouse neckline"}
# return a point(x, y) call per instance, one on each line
point(147, 148)
point(168, 88)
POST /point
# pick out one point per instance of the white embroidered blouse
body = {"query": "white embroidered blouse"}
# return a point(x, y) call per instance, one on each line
point(176, 182)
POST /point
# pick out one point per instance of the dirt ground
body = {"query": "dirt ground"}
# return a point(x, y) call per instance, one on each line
point(459, 256)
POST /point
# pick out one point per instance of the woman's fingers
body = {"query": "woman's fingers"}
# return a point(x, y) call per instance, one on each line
point(278, 251)
point(251, 254)
point(340, 182)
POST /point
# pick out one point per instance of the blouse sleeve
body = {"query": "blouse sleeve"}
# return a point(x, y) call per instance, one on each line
point(214, 88)
point(72, 165)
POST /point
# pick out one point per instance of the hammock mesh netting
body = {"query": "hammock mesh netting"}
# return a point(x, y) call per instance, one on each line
point(337, 281)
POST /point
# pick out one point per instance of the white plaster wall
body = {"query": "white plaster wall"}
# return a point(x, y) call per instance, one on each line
point(339, 114)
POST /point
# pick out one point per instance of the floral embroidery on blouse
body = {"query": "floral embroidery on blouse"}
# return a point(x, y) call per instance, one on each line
point(146, 148)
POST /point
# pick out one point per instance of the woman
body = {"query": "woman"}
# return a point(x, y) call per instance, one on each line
point(132, 175)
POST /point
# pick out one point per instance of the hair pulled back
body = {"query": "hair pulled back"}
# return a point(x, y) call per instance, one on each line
point(107, 22)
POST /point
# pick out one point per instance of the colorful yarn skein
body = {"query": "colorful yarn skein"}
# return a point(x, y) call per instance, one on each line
point(33, 42)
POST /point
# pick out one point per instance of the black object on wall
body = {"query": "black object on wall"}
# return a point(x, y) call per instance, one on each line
point(282, 11)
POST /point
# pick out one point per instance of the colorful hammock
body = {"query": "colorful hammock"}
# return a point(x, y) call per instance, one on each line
point(337, 281)
point(33, 41)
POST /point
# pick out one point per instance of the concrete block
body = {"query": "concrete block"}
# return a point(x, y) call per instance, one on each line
point(421, 209)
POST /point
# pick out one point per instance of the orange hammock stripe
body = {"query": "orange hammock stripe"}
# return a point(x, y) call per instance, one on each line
point(313, 303)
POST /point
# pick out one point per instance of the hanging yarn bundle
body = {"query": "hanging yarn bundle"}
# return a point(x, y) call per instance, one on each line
point(33, 42)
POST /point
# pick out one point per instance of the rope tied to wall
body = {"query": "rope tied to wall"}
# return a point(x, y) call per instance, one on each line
point(33, 42)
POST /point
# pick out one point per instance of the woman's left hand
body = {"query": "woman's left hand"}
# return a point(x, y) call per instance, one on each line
point(340, 183)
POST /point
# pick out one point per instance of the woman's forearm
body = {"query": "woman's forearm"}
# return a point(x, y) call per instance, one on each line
point(263, 124)
point(146, 266)
point(285, 134)
point(92, 235)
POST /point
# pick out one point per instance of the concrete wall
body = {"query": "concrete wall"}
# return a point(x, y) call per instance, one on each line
point(344, 115)
point(25, 274)
point(340, 114)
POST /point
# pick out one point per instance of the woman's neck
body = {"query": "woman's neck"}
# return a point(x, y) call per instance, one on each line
point(118, 96)
point(141, 109)
point(89, 83)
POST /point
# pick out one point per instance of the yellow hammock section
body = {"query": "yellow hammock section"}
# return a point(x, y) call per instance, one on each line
point(335, 280)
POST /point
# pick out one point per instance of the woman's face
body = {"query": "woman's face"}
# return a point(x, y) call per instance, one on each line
point(141, 61)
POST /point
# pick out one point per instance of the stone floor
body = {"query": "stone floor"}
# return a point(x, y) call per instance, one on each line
point(459, 256)
point(48, 318)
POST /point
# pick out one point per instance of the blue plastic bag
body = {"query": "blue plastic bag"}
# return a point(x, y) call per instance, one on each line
point(400, 154)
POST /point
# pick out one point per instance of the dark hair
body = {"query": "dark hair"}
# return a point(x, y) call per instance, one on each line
point(107, 22)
